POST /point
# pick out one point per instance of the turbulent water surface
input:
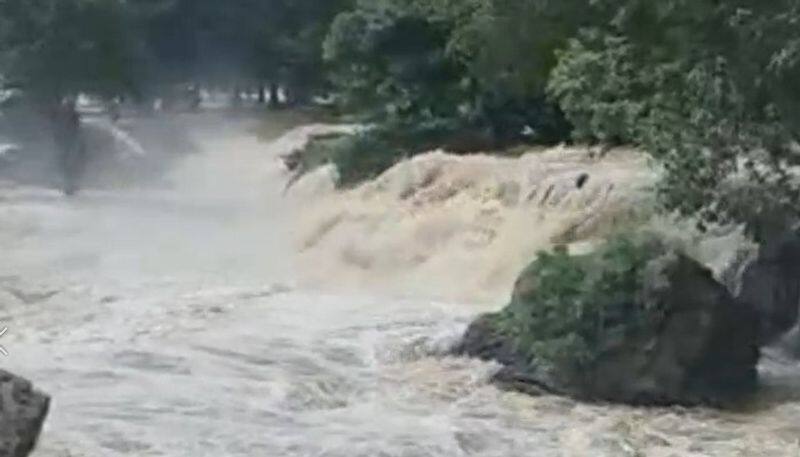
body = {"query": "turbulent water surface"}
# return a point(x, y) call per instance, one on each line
point(164, 322)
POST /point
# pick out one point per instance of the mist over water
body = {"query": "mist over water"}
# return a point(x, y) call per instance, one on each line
point(173, 316)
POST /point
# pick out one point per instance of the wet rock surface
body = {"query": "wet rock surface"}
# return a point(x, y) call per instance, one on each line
point(788, 345)
point(22, 413)
point(702, 350)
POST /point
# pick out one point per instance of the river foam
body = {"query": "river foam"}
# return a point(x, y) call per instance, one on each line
point(462, 227)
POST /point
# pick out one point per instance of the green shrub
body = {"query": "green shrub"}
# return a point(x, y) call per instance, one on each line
point(357, 157)
point(368, 153)
point(601, 88)
point(479, 63)
point(567, 310)
point(363, 156)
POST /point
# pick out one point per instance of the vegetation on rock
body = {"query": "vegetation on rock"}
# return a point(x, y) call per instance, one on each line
point(635, 321)
point(55, 48)
point(566, 310)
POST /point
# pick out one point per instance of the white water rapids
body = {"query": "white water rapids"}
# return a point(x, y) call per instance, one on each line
point(164, 321)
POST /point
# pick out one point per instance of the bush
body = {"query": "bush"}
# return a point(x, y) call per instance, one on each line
point(601, 89)
point(637, 322)
point(368, 153)
point(363, 156)
point(567, 310)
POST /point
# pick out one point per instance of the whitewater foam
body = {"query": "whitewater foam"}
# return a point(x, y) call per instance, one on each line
point(462, 227)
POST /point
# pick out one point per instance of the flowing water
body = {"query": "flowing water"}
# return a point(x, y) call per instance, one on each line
point(123, 142)
point(166, 320)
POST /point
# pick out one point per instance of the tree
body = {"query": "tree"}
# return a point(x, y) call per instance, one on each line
point(56, 48)
point(474, 62)
point(236, 42)
point(708, 89)
point(390, 59)
point(288, 45)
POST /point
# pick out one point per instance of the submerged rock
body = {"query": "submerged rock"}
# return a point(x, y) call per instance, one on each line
point(624, 326)
point(22, 414)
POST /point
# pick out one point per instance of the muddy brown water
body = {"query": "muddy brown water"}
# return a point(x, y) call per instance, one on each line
point(164, 321)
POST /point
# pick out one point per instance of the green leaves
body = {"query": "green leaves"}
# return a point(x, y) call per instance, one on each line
point(114, 46)
point(705, 88)
point(599, 86)
point(390, 60)
point(483, 62)
point(575, 308)
point(59, 47)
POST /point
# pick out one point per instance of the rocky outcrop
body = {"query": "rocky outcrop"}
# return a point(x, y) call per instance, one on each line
point(787, 346)
point(771, 285)
point(22, 414)
point(698, 345)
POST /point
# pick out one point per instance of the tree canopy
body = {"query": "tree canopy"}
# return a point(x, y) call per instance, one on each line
point(57, 47)
point(708, 88)
point(123, 46)
point(451, 59)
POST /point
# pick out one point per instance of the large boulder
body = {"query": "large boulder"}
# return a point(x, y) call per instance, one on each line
point(787, 347)
point(771, 285)
point(632, 323)
point(22, 414)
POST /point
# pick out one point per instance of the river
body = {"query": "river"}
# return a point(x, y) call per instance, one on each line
point(164, 320)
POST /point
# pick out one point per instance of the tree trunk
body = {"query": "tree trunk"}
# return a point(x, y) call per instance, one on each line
point(236, 100)
point(274, 95)
point(262, 94)
point(70, 146)
point(298, 95)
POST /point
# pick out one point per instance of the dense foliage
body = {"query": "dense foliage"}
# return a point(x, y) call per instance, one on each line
point(709, 89)
point(58, 47)
point(568, 310)
point(116, 47)
point(414, 60)
point(463, 75)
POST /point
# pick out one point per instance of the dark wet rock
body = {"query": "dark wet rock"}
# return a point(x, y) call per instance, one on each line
point(485, 340)
point(787, 346)
point(699, 345)
point(771, 286)
point(582, 180)
point(22, 414)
